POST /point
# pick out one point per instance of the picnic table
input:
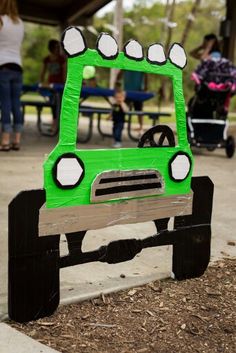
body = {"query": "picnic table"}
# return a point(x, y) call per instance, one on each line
point(52, 97)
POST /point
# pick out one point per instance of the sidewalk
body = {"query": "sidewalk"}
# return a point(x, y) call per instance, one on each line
point(12, 341)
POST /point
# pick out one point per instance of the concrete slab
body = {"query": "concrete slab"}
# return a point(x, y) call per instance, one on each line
point(12, 341)
point(23, 170)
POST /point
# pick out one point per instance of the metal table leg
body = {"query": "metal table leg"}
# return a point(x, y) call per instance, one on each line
point(89, 134)
point(103, 134)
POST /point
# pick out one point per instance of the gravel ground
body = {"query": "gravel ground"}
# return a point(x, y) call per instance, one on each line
point(196, 315)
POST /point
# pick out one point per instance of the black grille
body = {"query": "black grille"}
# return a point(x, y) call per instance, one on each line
point(126, 184)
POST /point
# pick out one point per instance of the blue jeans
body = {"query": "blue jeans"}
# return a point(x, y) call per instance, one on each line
point(10, 91)
point(117, 130)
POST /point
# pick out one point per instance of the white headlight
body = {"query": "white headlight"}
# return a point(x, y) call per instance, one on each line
point(177, 56)
point(69, 171)
point(73, 41)
point(107, 46)
point(180, 166)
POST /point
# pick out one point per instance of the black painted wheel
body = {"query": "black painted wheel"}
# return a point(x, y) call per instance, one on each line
point(191, 248)
point(149, 137)
point(230, 147)
point(33, 276)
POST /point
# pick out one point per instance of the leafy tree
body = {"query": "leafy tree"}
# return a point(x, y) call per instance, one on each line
point(35, 49)
point(148, 27)
point(207, 21)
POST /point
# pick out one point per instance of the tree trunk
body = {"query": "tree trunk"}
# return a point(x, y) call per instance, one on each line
point(190, 20)
point(118, 35)
point(229, 41)
point(170, 30)
point(162, 93)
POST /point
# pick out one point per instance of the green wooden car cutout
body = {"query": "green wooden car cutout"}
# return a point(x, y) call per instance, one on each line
point(91, 189)
point(127, 177)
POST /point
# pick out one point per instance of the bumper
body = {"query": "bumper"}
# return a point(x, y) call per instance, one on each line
point(94, 216)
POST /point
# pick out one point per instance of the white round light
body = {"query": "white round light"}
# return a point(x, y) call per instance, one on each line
point(107, 46)
point(177, 56)
point(180, 167)
point(73, 41)
point(68, 171)
point(134, 50)
point(156, 54)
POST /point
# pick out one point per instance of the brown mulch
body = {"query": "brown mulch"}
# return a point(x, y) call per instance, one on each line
point(197, 315)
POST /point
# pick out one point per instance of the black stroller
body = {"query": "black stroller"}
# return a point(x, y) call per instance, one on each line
point(207, 116)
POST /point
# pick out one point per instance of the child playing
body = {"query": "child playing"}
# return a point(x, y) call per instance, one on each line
point(53, 64)
point(54, 68)
point(119, 108)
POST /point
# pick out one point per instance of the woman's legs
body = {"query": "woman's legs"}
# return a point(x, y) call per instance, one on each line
point(16, 88)
point(5, 101)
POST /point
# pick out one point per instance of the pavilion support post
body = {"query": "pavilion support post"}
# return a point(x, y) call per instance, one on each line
point(118, 34)
point(229, 39)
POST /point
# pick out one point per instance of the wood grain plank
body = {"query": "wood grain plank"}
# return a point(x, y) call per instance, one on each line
point(95, 216)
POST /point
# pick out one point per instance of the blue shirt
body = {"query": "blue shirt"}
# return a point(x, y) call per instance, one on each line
point(133, 80)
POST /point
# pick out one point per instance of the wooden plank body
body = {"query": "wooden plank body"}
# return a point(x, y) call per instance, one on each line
point(94, 216)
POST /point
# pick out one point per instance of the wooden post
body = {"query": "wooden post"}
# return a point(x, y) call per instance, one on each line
point(170, 29)
point(229, 41)
point(170, 10)
point(118, 34)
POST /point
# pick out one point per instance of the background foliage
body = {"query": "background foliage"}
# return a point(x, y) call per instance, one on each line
point(207, 21)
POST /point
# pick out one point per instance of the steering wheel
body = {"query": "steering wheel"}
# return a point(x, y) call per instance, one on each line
point(148, 137)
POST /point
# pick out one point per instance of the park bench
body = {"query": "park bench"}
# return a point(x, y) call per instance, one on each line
point(39, 108)
point(91, 111)
point(88, 111)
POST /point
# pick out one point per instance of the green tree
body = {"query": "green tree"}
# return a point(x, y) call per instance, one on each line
point(207, 21)
point(35, 49)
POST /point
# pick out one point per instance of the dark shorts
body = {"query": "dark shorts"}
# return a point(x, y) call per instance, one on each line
point(134, 105)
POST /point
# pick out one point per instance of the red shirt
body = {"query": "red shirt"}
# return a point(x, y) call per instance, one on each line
point(55, 69)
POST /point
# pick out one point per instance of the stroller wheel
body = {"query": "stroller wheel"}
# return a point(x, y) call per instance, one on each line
point(230, 147)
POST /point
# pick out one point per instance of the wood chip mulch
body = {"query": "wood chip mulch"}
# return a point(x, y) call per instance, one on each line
point(197, 315)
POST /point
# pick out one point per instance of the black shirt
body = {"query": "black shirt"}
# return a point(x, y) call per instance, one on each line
point(118, 114)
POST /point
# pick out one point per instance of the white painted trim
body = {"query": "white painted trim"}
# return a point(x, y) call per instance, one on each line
point(208, 121)
point(225, 130)
point(191, 126)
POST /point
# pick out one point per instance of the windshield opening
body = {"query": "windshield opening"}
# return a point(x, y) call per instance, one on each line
point(138, 99)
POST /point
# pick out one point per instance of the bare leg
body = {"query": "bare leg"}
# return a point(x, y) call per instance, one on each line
point(5, 142)
point(140, 128)
point(140, 120)
point(17, 138)
point(5, 138)
point(16, 141)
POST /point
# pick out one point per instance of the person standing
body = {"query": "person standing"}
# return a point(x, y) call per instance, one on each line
point(11, 37)
point(134, 81)
point(54, 64)
point(209, 49)
point(54, 69)
point(119, 108)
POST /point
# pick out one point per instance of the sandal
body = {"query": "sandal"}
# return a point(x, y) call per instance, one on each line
point(15, 146)
point(5, 147)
